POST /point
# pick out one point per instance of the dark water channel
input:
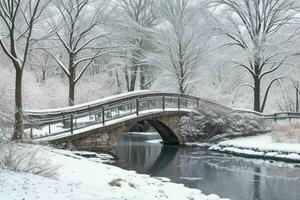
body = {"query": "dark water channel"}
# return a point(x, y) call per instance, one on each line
point(228, 176)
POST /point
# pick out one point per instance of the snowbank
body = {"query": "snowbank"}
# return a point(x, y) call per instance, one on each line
point(81, 178)
point(262, 146)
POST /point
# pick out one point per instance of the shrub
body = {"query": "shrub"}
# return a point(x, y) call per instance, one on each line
point(286, 132)
point(25, 158)
point(115, 182)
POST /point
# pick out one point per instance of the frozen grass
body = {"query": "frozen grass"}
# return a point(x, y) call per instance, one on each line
point(25, 158)
point(285, 132)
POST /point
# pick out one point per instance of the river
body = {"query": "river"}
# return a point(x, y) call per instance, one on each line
point(232, 177)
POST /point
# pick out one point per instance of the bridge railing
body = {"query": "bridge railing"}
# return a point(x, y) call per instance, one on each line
point(50, 123)
point(283, 116)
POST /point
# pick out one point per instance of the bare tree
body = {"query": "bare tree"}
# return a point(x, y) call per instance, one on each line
point(181, 39)
point(142, 15)
point(19, 18)
point(79, 30)
point(40, 62)
point(289, 98)
point(252, 26)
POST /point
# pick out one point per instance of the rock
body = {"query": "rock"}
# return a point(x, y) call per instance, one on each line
point(213, 126)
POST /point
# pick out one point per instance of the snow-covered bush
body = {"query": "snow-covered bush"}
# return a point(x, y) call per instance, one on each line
point(214, 123)
point(25, 158)
point(285, 132)
point(6, 106)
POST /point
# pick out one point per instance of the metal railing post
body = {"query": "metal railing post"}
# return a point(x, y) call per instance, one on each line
point(137, 106)
point(186, 103)
point(198, 104)
point(75, 122)
point(72, 128)
point(31, 133)
point(275, 117)
point(178, 103)
point(49, 129)
point(163, 102)
point(103, 116)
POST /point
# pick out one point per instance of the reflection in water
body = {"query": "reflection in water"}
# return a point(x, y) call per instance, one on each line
point(233, 177)
point(134, 154)
point(165, 157)
point(256, 183)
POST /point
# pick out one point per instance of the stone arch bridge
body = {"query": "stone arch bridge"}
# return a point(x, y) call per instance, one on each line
point(99, 124)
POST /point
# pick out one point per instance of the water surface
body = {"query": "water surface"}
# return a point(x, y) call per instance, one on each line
point(233, 177)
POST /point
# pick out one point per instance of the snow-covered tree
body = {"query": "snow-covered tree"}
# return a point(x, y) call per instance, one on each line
point(181, 39)
point(255, 27)
point(138, 18)
point(40, 63)
point(19, 18)
point(79, 29)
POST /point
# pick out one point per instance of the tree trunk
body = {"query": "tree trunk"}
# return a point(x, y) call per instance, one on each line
point(297, 97)
point(182, 85)
point(72, 75)
point(71, 92)
point(127, 78)
point(181, 90)
point(142, 78)
point(118, 80)
point(256, 94)
point(18, 127)
point(43, 75)
point(133, 78)
point(135, 65)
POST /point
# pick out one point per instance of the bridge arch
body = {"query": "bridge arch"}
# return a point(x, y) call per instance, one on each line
point(166, 133)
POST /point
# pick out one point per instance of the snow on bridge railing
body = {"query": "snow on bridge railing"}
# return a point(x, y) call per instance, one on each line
point(101, 102)
point(44, 123)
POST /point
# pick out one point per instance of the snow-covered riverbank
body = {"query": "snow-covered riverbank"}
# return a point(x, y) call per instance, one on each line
point(262, 146)
point(81, 178)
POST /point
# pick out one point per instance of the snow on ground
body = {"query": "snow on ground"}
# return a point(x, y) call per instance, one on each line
point(260, 146)
point(80, 178)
